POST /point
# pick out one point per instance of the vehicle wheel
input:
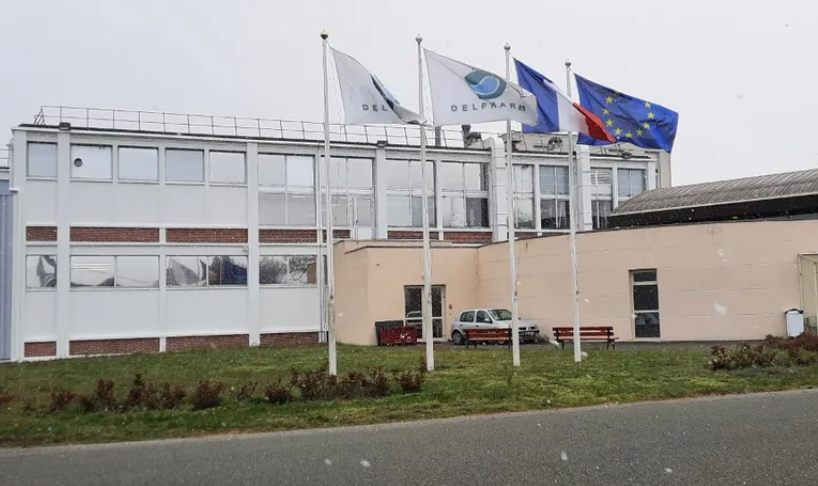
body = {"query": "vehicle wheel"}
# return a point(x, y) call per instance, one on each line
point(458, 339)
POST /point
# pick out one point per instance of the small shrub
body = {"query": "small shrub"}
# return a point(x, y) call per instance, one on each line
point(354, 385)
point(139, 393)
point(60, 400)
point(312, 384)
point(102, 400)
point(245, 391)
point(5, 398)
point(165, 399)
point(411, 382)
point(207, 395)
point(379, 383)
point(277, 393)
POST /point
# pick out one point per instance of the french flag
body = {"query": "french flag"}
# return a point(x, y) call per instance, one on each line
point(557, 113)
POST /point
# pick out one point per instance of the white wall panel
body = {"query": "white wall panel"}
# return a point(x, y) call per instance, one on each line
point(289, 309)
point(41, 316)
point(40, 205)
point(91, 202)
point(193, 312)
point(183, 204)
point(114, 313)
point(137, 204)
point(226, 205)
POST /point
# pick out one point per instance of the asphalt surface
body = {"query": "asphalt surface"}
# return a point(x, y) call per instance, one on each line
point(769, 439)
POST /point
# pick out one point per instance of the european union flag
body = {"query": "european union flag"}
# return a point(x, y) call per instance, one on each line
point(628, 119)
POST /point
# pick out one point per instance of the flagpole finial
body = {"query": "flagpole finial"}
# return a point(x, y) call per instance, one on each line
point(568, 63)
point(507, 47)
point(324, 34)
point(419, 39)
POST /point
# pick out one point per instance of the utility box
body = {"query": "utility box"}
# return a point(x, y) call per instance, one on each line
point(795, 322)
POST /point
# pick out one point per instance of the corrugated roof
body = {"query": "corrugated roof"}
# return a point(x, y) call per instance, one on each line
point(756, 188)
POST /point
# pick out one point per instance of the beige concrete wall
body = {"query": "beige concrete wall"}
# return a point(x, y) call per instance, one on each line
point(716, 281)
point(371, 276)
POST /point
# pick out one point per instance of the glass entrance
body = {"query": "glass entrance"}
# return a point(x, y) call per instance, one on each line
point(413, 298)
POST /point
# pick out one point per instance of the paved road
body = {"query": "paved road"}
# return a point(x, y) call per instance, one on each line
point(753, 440)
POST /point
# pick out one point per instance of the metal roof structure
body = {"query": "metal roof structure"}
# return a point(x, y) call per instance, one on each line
point(735, 191)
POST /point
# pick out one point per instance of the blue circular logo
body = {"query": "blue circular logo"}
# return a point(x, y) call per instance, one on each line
point(485, 85)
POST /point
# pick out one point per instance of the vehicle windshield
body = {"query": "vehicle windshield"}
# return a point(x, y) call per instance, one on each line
point(500, 314)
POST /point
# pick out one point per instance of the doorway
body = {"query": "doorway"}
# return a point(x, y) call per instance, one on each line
point(413, 299)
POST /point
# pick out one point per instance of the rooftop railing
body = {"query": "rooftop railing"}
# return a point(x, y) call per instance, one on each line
point(232, 126)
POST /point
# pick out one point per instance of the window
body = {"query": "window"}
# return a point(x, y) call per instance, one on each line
point(41, 271)
point(524, 196)
point(184, 165)
point(630, 182)
point(352, 188)
point(42, 159)
point(464, 195)
point(483, 317)
point(227, 168)
point(206, 271)
point(645, 293)
point(404, 193)
point(555, 207)
point(467, 316)
point(287, 194)
point(287, 270)
point(91, 162)
point(92, 271)
point(140, 271)
point(601, 193)
point(412, 296)
point(138, 164)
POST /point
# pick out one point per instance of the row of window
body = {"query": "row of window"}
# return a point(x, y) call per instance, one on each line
point(142, 271)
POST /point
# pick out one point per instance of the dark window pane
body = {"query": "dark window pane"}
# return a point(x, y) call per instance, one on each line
point(483, 316)
point(645, 297)
point(302, 269)
point(227, 270)
point(437, 328)
point(41, 271)
point(477, 212)
point(437, 301)
point(412, 300)
point(600, 211)
point(644, 276)
point(554, 214)
point(272, 270)
point(646, 325)
point(467, 316)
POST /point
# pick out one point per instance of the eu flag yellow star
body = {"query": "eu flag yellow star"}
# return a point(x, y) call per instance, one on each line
point(646, 125)
point(605, 111)
point(629, 135)
point(647, 104)
point(639, 132)
point(609, 100)
point(609, 123)
point(651, 115)
point(618, 131)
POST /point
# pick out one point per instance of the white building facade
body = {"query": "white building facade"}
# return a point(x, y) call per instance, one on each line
point(145, 239)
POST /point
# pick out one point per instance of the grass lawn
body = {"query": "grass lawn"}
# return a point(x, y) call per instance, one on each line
point(465, 382)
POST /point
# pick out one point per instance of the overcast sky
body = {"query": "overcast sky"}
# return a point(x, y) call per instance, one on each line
point(741, 73)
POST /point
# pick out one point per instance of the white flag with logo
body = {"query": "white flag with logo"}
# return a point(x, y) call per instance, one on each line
point(366, 99)
point(463, 94)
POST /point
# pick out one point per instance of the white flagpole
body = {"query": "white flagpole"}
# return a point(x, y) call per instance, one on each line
point(333, 358)
point(426, 305)
point(574, 220)
point(512, 253)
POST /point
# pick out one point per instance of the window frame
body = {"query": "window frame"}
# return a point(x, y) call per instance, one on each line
point(289, 284)
point(598, 197)
point(207, 284)
point(185, 183)
point(465, 194)
point(634, 282)
point(350, 194)
point(288, 190)
point(115, 272)
point(126, 180)
point(630, 171)
point(72, 158)
point(528, 195)
point(412, 193)
point(209, 171)
point(51, 288)
point(28, 161)
point(556, 196)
